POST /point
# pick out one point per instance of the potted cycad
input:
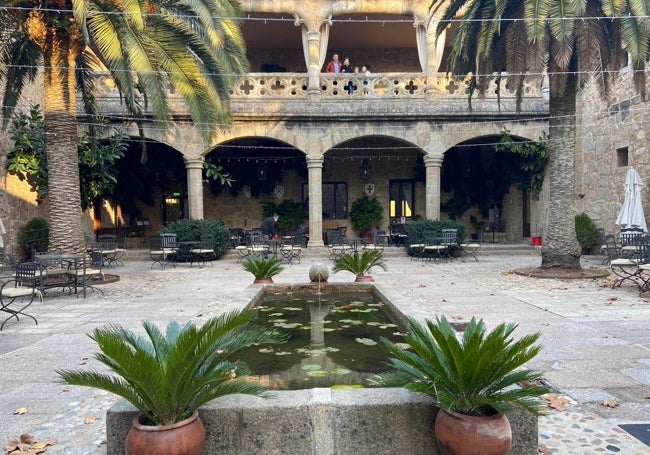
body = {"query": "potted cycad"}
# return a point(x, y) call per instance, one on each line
point(359, 264)
point(169, 375)
point(263, 269)
point(475, 381)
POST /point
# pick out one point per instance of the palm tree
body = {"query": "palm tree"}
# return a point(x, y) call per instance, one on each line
point(566, 39)
point(145, 44)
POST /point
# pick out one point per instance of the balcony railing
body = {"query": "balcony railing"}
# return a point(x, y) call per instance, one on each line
point(287, 93)
point(384, 85)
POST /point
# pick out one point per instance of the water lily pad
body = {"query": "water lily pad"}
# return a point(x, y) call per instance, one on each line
point(387, 326)
point(347, 386)
point(341, 371)
point(373, 323)
point(312, 367)
point(273, 315)
point(289, 308)
point(328, 329)
point(282, 353)
point(287, 325)
point(266, 350)
point(317, 373)
point(366, 341)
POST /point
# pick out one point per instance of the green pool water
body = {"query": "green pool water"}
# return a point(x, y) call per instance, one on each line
point(335, 340)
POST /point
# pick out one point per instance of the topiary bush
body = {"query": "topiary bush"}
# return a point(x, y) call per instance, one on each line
point(34, 236)
point(586, 231)
point(193, 230)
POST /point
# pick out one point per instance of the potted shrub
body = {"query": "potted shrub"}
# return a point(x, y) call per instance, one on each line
point(359, 264)
point(474, 381)
point(586, 232)
point(364, 213)
point(169, 375)
point(263, 269)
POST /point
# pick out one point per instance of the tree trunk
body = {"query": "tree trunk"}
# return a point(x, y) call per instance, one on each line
point(560, 247)
point(60, 49)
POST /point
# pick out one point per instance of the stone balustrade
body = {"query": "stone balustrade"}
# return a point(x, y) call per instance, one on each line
point(288, 93)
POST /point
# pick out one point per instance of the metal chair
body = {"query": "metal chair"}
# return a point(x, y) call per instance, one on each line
point(204, 251)
point(162, 250)
point(433, 249)
point(292, 248)
point(471, 249)
point(337, 245)
point(450, 240)
point(377, 244)
point(17, 294)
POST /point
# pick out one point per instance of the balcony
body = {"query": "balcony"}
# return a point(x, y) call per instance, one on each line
point(403, 95)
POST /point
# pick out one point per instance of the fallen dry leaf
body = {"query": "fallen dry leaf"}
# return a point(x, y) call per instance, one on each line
point(543, 449)
point(610, 403)
point(90, 419)
point(21, 411)
point(422, 285)
point(557, 402)
point(457, 316)
point(443, 299)
point(612, 299)
point(27, 445)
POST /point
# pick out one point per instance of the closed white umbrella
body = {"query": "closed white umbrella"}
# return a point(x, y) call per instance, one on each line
point(631, 214)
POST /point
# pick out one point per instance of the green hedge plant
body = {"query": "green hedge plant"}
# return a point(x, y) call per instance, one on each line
point(586, 231)
point(194, 230)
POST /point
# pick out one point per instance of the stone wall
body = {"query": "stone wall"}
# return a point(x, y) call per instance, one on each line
point(619, 122)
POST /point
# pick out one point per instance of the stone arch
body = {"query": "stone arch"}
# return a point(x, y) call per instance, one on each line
point(264, 170)
point(477, 184)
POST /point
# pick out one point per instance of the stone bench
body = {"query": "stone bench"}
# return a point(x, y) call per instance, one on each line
point(321, 422)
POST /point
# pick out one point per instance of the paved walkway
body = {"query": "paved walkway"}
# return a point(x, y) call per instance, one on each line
point(596, 342)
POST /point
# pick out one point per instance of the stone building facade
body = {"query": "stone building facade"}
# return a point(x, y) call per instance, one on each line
point(403, 116)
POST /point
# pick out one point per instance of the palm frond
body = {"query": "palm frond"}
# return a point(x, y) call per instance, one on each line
point(169, 374)
point(359, 264)
point(473, 375)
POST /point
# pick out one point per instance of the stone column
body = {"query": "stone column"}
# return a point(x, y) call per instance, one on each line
point(432, 165)
point(315, 179)
point(194, 168)
point(313, 67)
point(435, 48)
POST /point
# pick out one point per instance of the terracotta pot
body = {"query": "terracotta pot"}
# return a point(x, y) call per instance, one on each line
point(364, 279)
point(459, 434)
point(263, 281)
point(182, 438)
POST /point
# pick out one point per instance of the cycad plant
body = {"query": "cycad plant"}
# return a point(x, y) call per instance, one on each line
point(359, 264)
point(262, 267)
point(167, 376)
point(476, 375)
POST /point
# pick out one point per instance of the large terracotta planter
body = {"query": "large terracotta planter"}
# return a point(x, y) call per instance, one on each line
point(263, 281)
point(459, 434)
point(364, 279)
point(182, 438)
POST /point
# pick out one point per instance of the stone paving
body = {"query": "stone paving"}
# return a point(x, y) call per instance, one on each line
point(595, 342)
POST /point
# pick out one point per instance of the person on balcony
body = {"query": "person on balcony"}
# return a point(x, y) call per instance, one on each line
point(334, 66)
point(346, 68)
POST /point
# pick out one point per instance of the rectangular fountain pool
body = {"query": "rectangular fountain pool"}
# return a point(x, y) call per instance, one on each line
point(335, 337)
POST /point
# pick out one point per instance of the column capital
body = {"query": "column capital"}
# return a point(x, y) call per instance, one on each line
point(314, 161)
point(193, 163)
point(433, 161)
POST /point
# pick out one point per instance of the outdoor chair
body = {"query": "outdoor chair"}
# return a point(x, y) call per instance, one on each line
point(471, 249)
point(204, 251)
point(337, 245)
point(610, 249)
point(416, 246)
point(292, 248)
point(51, 271)
point(397, 235)
point(256, 245)
point(162, 250)
point(377, 244)
point(450, 240)
point(84, 269)
point(433, 249)
point(17, 294)
point(628, 268)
